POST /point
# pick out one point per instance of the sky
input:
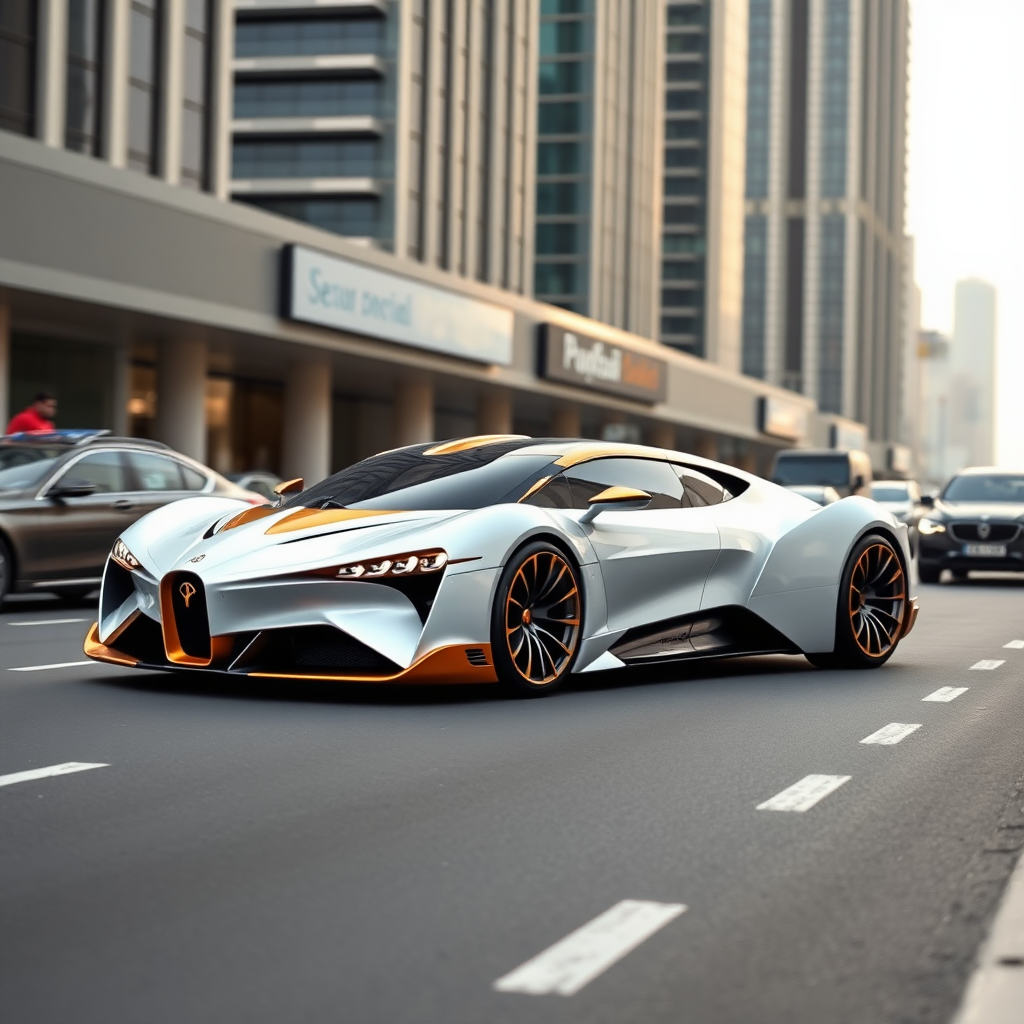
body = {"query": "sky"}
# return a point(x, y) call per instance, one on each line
point(965, 189)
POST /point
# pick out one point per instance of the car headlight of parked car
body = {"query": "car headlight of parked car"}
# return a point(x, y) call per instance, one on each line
point(930, 526)
point(123, 556)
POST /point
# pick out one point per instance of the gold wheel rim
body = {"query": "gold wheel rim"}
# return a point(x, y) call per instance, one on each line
point(542, 618)
point(878, 600)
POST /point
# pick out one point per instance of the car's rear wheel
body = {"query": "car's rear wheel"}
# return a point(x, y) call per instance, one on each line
point(536, 619)
point(872, 608)
point(6, 570)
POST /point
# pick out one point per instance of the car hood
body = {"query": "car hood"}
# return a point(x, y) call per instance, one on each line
point(1002, 510)
point(296, 539)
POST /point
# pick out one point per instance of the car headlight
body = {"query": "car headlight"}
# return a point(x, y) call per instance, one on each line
point(123, 556)
point(930, 526)
point(398, 565)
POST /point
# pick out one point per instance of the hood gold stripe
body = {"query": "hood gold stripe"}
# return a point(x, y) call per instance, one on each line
point(310, 518)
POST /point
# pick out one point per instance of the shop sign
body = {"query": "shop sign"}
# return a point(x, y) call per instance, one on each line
point(849, 436)
point(783, 419)
point(572, 358)
point(332, 292)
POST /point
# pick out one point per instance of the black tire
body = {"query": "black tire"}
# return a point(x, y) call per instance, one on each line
point(536, 620)
point(872, 608)
point(928, 573)
point(6, 570)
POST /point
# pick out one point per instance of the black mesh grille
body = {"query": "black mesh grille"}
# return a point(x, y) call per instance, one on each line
point(998, 533)
point(144, 640)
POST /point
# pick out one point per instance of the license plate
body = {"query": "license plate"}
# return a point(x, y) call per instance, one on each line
point(985, 550)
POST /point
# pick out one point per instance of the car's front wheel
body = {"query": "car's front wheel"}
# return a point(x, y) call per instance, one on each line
point(536, 620)
point(872, 609)
point(6, 570)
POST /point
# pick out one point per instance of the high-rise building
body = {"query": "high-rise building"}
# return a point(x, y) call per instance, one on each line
point(598, 129)
point(826, 148)
point(972, 374)
point(406, 125)
point(703, 162)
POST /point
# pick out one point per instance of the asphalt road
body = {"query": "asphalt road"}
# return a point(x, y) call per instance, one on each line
point(304, 854)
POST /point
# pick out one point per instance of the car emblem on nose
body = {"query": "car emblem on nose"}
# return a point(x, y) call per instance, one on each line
point(187, 591)
point(984, 530)
point(198, 558)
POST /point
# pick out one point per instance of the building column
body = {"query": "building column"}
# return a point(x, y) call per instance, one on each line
point(565, 421)
point(181, 396)
point(51, 72)
point(494, 412)
point(116, 47)
point(5, 366)
point(662, 435)
point(306, 451)
point(414, 412)
point(122, 389)
point(221, 98)
point(172, 61)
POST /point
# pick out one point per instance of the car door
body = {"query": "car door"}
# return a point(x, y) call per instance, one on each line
point(70, 537)
point(656, 560)
point(160, 479)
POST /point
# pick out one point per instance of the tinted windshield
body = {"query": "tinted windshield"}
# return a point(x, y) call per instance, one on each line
point(409, 480)
point(985, 488)
point(889, 492)
point(827, 470)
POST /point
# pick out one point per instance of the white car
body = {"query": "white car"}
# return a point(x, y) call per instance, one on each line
point(503, 558)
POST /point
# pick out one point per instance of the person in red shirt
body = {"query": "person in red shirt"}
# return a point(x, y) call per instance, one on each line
point(38, 416)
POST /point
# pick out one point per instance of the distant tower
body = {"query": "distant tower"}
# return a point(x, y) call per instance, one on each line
point(972, 384)
point(826, 153)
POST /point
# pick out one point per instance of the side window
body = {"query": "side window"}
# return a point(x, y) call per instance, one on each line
point(104, 469)
point(194, 480)
point(700, 490)
point(155, 472)
point(650, 475)
point(554, 494)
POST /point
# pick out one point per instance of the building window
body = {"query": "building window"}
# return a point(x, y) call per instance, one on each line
point(306, 158)
point(759, 77)
point(557, 279)
point(357, 216)
point(18, 20)
point(830, 312)
point(300, 37)
point(755, 246)
point(835, 101)
point(308, 98)
point(82, 97)
point(143, 91)
point(195, 95)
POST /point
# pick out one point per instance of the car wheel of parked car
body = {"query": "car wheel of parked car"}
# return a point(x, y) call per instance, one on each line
point(928, 573)
point(535, 623)
point(873, 606)
point(6, 570)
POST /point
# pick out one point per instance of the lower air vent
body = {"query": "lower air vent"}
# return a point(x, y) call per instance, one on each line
point(476, 656)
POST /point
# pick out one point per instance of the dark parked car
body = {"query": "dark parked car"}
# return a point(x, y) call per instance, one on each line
point(903, 499)
point(976, 523)
point(66, 496)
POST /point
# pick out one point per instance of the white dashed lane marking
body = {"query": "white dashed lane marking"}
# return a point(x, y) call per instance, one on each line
point(59, 664)
point(47, 622)
point(564, 968)
point(987, 664)
point(44, 773)
point(946, 693)
point(803, 795)
point(1015, 645)
point(891, 733)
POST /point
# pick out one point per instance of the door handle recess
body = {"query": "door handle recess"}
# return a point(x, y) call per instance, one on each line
point(123, 503)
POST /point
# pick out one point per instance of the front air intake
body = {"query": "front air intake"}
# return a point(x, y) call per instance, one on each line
point(186, 623)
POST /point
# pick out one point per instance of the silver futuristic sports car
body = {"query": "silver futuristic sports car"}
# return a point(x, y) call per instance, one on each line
point(510, 559)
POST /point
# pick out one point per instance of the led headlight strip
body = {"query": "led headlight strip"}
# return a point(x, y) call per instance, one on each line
point(397, 565)
point(123, 556)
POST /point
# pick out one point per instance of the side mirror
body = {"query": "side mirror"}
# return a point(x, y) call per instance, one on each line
point(928, 500)
point(289, 486)
point(72, 487)
point(623, 499)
